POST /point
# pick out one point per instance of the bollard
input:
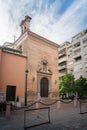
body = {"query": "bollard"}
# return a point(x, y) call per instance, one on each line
point(8, 110)
point(75, 102)
point(37, 105)
point(59, 104)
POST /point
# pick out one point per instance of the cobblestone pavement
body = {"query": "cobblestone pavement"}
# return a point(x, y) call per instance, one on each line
point(68, 118)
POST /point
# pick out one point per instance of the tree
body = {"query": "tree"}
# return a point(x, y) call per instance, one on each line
point(81, 87)
point(66, 84)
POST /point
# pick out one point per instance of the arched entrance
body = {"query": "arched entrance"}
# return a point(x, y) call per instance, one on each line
point(44, 87)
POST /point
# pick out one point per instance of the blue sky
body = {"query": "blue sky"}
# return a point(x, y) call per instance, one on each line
point(56, 20)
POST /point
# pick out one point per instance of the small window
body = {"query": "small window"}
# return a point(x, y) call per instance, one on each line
point(85, 40)
point(78, 59)
point(77, 44)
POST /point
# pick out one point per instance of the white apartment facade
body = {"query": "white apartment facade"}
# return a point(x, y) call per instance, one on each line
point(79, 43)
point(62, 58)
point(76, 55)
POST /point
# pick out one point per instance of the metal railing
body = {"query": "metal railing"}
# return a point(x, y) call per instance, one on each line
point(83, 106)
point(38, 115)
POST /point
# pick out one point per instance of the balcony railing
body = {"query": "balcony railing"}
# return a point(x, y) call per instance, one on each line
point(77, 55)
point(62, 59)
point(62, 67)
point(62, 54)
point(61, 74)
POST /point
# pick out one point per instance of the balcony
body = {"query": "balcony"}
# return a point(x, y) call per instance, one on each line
point(64, 59)
point(62, 54)
point(77, 59)
point(61, 74)
point(77, 55)
point(62, 67)
point(61, 48)
point(85, 41)
point(76, 48)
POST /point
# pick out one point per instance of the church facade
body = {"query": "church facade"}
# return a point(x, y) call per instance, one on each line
point(42, 63)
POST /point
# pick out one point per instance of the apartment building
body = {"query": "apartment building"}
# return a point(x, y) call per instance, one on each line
point(79, 43)
point(70, 60)
point(75, 55)
point(63, 58)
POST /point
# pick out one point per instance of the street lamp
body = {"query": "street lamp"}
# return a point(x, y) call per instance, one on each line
point(26, 74)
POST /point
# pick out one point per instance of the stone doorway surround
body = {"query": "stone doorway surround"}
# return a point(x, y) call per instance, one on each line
point(44, 71)
point(49, 77)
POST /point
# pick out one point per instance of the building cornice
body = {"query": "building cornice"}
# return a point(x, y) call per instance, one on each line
point(30, 33)
point(13, 51)
point(42, 38)
point(44, 73)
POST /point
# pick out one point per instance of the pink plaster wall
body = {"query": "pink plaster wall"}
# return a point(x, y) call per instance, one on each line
point(13, 72)
point(0, 66)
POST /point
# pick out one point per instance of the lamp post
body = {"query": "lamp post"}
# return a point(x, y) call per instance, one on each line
point(26, 74)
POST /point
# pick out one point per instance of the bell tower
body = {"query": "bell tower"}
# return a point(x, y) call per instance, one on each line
point(25, 24)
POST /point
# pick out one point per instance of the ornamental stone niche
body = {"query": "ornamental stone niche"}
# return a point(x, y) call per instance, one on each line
point(44, 79)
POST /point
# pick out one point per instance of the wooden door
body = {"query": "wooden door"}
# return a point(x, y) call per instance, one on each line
point(44, 87)
point(10, 93)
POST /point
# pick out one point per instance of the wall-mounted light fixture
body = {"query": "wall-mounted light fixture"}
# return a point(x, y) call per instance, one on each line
point(55, 82)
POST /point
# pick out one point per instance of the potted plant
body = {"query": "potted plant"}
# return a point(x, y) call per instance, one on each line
point(18, 103)
point(17, 99)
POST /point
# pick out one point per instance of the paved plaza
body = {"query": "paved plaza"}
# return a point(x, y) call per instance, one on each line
point(66, 118)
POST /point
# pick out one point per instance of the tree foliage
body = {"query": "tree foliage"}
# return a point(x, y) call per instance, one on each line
point(69, 84)
point(81, 87)
point(66, 84)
